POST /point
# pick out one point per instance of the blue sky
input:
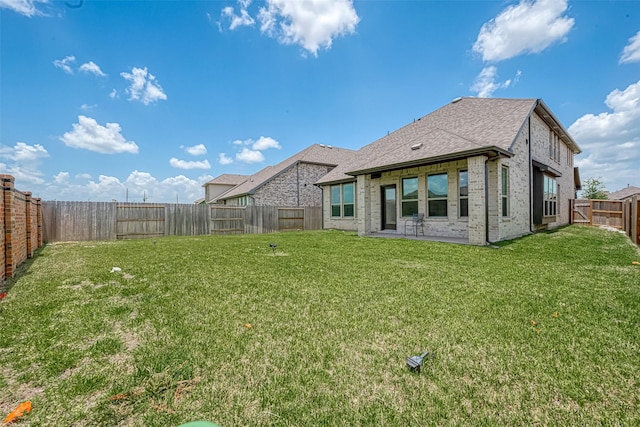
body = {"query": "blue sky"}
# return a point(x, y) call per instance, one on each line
point(103, 100)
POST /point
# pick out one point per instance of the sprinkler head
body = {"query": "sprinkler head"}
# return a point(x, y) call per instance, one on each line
point(415, 362)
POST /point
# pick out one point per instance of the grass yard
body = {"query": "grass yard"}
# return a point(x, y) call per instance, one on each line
point(543, 330)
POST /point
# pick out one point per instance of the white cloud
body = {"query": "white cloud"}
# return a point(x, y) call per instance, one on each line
point(92, 67)
point(631, 52)
point(87, 107)
point(195, 150)
point(61, 178)
point(114, 94)
point(65, 63)
point(485, 83)
point(22, 152)
point(183, 164)
point(25, 162)
point(250, 156)
point(223, 159)
point(528, 27)
point(24, 7)
point(312, 24)
point(242, 20)
point(264, 143)
point(611, 140)
point(89, 135)
point(83, 176)
point(144, 86)
point(253, 154)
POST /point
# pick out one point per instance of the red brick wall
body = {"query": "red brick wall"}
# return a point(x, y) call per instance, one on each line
point(2, 275)
point(21, 226)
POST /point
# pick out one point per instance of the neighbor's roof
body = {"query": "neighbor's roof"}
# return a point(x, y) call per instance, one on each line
point(462, 128)
point(317, 153)
point(227, 179)
point(624, 193)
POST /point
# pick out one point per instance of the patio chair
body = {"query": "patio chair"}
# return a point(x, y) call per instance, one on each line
point(416, 222)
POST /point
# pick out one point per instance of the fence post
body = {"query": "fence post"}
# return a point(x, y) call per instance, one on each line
point(572, 203)
point(634, 220)
point(7, 194)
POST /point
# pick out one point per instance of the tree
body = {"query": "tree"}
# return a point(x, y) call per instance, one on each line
point(593, 188)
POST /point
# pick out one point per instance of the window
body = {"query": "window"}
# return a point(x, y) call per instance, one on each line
point(463, 185)
point(343, 200)
point(437, 195)
point(550, 196)
point(243, 200)
point(505, 191)
point(554, 146)
point(409, 196)
point(348, 199)
point(336, 201)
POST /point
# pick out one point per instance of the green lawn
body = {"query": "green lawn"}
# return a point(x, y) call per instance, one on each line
point(544, 329)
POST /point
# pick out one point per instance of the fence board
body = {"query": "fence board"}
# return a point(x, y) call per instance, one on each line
point(290, 219)
point(68, 221)
point(186, 220)
point(140, 220)
point(227, 219)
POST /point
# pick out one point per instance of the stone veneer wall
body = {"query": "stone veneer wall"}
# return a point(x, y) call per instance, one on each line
point(293, 187)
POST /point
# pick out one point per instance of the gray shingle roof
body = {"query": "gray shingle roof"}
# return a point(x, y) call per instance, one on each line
point(624, 193)
point(460, 128)
point(316, 153)
point(228, 179)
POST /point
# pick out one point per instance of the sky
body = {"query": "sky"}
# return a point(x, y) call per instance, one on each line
point(148, 100)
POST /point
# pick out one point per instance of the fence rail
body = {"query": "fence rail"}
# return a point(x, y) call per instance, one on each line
point(71, 221)
point(620, 214)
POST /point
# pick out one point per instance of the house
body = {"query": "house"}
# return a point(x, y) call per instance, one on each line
point(220, 185)
point(479, 169)
point(625, 193)
point(290, 183)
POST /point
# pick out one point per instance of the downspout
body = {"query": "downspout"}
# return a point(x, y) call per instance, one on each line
point(321, 206)
point(486, 200)
point(298, 183)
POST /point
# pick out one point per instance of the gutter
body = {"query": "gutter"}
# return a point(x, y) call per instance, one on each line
point(490, 151)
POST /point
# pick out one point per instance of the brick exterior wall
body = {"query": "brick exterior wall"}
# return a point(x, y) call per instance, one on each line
point(518, 222)
point(369, 200)
point(337, 223)
point(2, 233)
point(21, 226)
point(294, 187)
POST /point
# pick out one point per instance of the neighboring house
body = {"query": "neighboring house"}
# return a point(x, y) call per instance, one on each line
point(220, 185)
point(290, 183)
point(479, 169)
point(625, 193)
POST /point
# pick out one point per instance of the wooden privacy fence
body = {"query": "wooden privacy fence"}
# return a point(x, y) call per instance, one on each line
point(70, 221)
point(621, 214)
